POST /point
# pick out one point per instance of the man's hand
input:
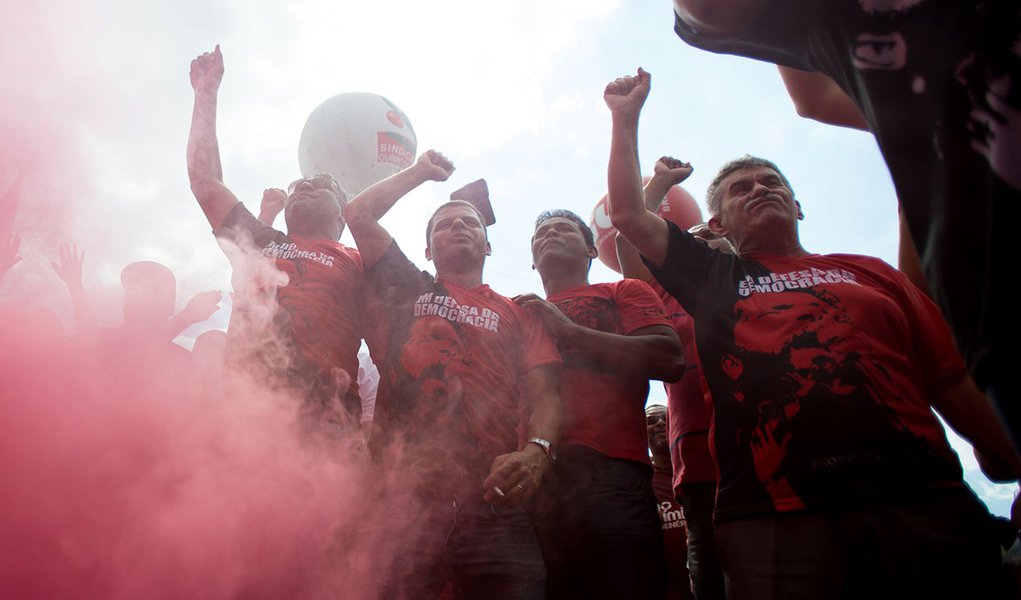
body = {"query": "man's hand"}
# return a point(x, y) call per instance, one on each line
point(70, 268)
point(273, 201)
point(434, 166)
point(9, 254)
point(207, 72)
point(202, 306)
point(671, 170)
point(555, 321)
point(515, 477)
point(626, 95)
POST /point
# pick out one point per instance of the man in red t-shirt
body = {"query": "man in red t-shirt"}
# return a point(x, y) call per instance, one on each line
point(471, 412)
point(602, 535)
point(298, 317)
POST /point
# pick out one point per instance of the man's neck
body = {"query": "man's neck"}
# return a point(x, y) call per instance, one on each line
point(661, 461)
point(467, 279)
point(561, 281)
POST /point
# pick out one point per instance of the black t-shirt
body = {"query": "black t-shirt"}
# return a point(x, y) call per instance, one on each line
point(939, 82)
point(820, 369)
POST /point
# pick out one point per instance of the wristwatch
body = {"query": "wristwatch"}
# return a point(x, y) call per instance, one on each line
point(546, 446)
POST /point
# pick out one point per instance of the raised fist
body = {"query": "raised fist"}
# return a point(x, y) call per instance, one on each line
point(626, 95)
point(435, 166)
point(671, 170)
point(207, 72)
point(273, 201)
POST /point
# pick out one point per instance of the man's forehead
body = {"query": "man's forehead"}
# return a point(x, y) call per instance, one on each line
point(555, 220)
point(455, 210)
point(655, 409)
point(753, 171)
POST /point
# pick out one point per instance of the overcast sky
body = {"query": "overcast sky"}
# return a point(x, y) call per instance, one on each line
point(99, 94)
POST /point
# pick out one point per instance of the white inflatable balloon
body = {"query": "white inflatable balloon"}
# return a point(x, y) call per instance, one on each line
point(357, 137)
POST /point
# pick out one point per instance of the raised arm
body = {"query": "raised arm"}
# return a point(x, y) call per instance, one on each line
point(70, 272)
point(204, 170)
point(643, 228)
point(667, 173)
point(819, 98)
point(364, 212)
point(719, 16)
point(199, 308)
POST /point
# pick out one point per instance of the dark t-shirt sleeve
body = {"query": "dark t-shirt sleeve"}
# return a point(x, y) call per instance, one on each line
point(780, 35)
point(686, 270)
point(241, 227)
point(396, 279)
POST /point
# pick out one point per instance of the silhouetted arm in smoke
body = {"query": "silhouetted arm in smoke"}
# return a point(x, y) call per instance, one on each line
point(199, 308)
point(646, 231)
point(204, 170)
point(518, 474)
point(364, 212)
point(273, 201)
point(70, 272)
point(9, 254)
point(667, 173)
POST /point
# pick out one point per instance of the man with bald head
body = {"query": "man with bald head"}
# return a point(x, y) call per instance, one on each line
point(300, 309)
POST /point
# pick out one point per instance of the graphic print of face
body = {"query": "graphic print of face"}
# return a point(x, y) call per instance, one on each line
point(816, 332)
point(432, 342)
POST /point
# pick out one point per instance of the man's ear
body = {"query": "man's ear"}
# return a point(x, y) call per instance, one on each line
point(716, 226)
point(489, 249)
point(801, 215)
point(593, 252)
point(428, 253)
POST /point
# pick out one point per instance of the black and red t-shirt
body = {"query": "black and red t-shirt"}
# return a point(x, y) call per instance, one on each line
point(939, 82)
point(821, 369)
point(689, 403)
point(453, 361)
point(299, 303)
point(605, 410)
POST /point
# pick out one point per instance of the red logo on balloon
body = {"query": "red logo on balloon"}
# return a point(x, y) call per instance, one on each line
point(395, 117)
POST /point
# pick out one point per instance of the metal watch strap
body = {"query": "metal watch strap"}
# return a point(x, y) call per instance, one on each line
point(546, 446)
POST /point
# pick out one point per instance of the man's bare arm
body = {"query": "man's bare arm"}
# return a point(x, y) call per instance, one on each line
point(364, 212)
point(652, 352)
point(667, 173)
point(819, 98)
point(724, 17)
point(643, 228)
point(70, 271)
point(204, 170)
point(972, 415)
point(517, 475)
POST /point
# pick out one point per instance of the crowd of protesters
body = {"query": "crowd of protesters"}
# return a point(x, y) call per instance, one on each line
point(799, 455)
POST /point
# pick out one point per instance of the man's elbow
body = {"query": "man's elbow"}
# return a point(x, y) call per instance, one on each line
point(357, 215)
point(726, 17)
point(669, 360)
